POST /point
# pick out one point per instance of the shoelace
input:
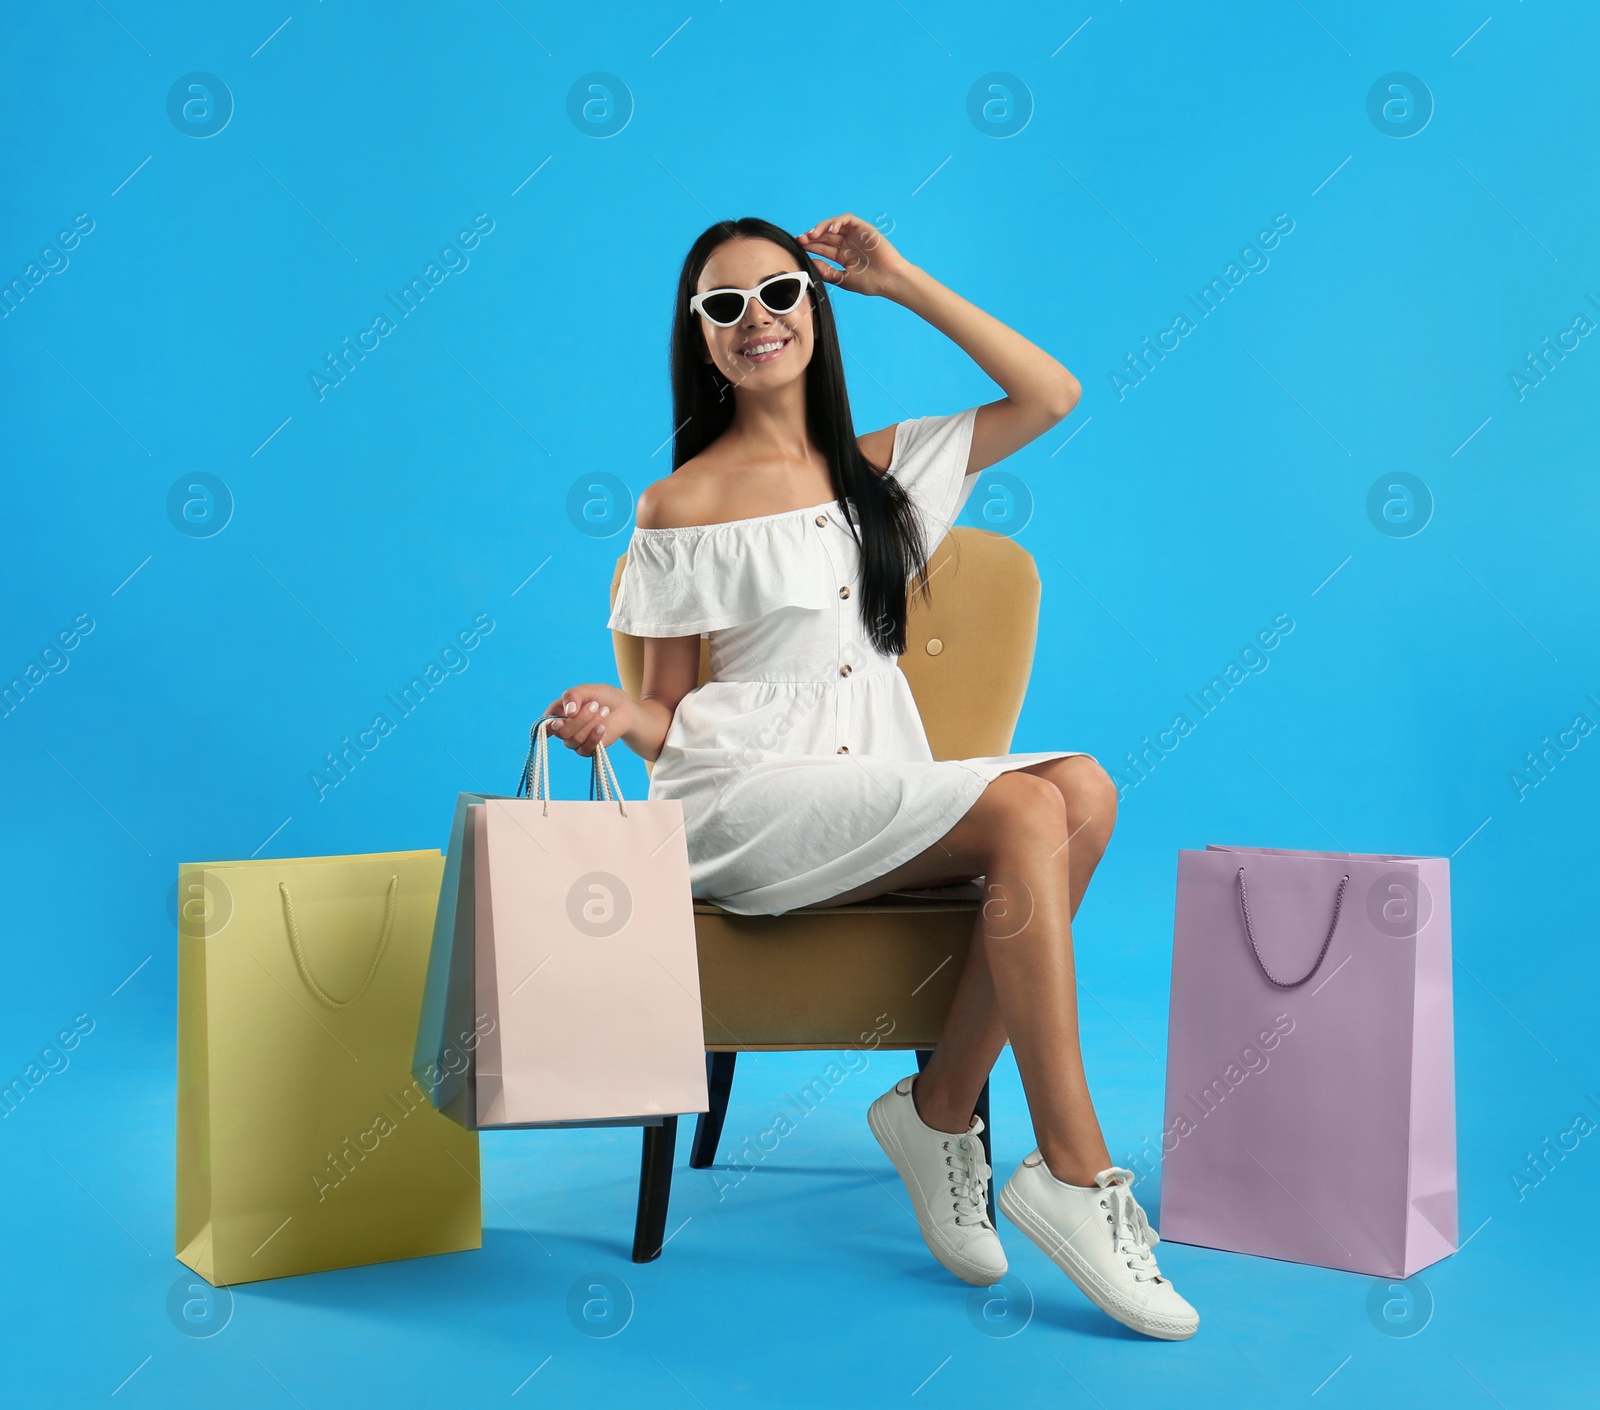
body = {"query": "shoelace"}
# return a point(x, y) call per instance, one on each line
point(969, 1179)
point(1131, 1233)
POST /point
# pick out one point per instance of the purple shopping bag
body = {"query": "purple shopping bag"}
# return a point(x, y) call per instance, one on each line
point(1310, 1107)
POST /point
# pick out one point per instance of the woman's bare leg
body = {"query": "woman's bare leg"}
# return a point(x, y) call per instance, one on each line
point(974, 1032)
point(1036, 835)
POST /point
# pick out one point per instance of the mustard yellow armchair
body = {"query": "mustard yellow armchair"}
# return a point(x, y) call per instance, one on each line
point(879, 973)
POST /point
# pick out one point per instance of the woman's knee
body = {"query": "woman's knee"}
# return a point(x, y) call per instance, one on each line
point(1090, 794)
point(1024, 807)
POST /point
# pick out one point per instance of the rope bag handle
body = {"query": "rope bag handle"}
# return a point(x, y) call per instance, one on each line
point(304, 966)
point(1249, 930)
point(535, 781)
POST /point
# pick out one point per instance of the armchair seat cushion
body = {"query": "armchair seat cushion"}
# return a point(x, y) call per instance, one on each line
point(873, 974)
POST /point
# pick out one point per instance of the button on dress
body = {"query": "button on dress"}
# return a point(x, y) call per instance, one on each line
point(802, 763)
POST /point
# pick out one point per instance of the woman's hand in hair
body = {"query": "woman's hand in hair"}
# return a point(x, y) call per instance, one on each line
point(590, 715)
point(871, 264)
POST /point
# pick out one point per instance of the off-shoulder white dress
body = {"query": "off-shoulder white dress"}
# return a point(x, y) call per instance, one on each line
point(802, 763)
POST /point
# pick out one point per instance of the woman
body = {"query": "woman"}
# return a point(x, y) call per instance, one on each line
point(803, 768)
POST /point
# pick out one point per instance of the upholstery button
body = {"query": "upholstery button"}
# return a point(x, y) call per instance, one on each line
point(844, 670)
point(821, 520)
point(935, 646)
point(842, 749)
point(844, 591)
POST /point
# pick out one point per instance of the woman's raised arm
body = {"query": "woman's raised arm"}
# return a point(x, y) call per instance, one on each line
point(1039, 391)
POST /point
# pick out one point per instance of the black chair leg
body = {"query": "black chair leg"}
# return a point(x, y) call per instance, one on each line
point(708, 1128)
point(981, 1110)
point(655, 1189)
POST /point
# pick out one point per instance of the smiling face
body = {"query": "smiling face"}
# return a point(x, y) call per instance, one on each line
point(763, 350)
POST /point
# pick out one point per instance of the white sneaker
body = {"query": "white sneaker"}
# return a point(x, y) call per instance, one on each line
point(948, 1180)
point(1099, 1237)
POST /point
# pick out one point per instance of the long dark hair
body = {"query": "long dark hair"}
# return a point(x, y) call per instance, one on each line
point(889, 535)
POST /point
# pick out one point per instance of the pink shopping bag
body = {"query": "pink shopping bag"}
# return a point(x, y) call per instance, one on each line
point(1310, 1108)
point(587, 978)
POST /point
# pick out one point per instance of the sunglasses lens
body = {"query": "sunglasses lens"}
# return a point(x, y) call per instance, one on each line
point(781, 295)
point(723, 308)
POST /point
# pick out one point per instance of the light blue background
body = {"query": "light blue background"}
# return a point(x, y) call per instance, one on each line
point(433, 485)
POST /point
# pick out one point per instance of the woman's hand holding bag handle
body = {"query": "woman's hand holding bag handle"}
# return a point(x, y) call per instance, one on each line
point(587, 715)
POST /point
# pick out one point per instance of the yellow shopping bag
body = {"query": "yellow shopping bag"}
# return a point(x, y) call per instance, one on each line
point(304, 1142)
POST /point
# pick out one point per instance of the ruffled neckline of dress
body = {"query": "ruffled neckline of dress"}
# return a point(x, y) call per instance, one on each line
point(708, 577)
point(696, 578)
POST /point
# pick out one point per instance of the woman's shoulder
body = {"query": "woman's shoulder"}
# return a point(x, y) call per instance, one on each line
point(713, 490)
point(684, 499)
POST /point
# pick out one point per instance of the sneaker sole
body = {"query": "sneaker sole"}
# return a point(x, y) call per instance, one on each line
point(1088, 1282)
point(891, 1148)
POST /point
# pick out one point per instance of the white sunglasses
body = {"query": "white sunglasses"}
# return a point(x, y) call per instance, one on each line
point(725, 307)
